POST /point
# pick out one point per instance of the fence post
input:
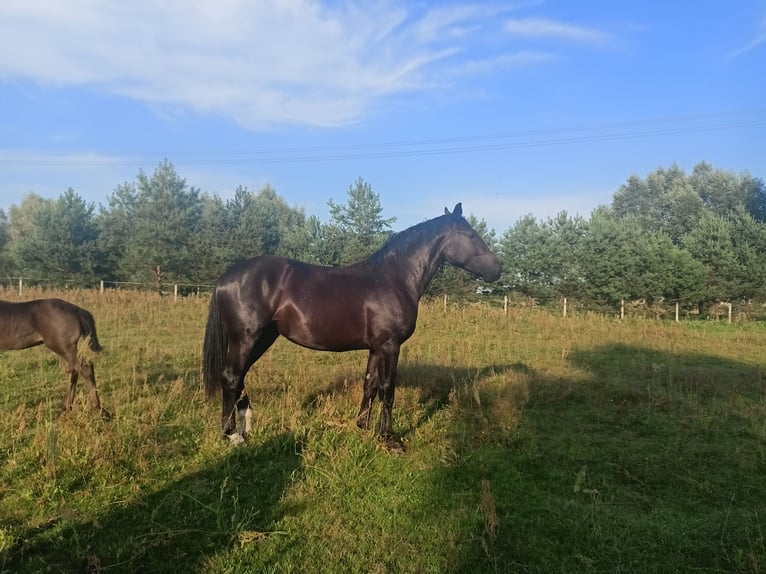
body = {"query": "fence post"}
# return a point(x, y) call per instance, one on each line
point(505, 305)
point(21, 283)
point(445, 302)
point(729, 305)
point(565, 306)
point(101, 287)
point(175, 292)
point(622, 308)
point(676, 311)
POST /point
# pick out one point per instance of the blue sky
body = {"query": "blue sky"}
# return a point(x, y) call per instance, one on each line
point(510, 107)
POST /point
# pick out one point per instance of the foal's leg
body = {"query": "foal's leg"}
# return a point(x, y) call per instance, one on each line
point(74, 368)
point(86, 370)
point(69, 398)
point(370, 389)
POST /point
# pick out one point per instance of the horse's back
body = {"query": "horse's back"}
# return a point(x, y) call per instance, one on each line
point(31, 323)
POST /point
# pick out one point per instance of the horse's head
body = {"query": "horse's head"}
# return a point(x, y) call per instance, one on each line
point(465, 248)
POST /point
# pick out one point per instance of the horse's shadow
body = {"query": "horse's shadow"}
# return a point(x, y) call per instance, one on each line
point(174, 529)
point(435, 384)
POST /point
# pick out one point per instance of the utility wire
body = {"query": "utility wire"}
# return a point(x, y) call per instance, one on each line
point(505, 141)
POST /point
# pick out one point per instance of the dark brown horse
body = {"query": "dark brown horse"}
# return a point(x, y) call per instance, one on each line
point(372, 304)
point(59, 325)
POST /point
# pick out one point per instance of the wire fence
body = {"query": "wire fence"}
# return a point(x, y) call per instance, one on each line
point(728, 311)
point(176, 290)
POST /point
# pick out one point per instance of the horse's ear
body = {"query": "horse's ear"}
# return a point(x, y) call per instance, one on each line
point(446, 211)
point(458, 211)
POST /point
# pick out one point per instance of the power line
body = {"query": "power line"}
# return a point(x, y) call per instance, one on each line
point(504, 141)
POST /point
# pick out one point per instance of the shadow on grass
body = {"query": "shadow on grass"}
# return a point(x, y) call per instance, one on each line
point(174, 529)
point(654, 463)
point(435, 383)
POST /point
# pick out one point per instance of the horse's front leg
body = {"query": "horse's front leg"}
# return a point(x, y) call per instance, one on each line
point(235, 400)
point(370, 389)
point(387, 389)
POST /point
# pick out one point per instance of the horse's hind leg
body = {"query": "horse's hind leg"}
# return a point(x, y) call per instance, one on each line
point(86, 370)
point(235, 401)
point(69, 398)
point(76, 366)
point(244, 412)
point(370, 390)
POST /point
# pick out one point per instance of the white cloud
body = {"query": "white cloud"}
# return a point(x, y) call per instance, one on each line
point(544, 28)
point(756, 42)
point(256, 61)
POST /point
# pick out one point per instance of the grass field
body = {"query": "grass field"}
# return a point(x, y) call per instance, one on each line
point(535, 443)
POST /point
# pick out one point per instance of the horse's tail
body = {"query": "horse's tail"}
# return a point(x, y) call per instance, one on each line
point(88, 329)
point(214, 349)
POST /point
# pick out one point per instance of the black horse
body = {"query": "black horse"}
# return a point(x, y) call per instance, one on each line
point(372, 304)
point(59, 325)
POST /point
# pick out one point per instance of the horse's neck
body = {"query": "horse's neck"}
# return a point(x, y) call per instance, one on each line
point(418, 267)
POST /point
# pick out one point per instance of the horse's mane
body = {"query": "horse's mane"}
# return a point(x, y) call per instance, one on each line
point(400, 244)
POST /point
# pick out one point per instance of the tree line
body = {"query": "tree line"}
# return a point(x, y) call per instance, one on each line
point(692, 238)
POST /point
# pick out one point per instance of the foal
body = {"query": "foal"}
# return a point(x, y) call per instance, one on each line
point(59, 325)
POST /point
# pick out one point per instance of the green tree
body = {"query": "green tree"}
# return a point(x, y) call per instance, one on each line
point(359, 222)
point(666, 201)
point(566, 235)
point(152, 224)
point(245, 226)
point(710, 242)
point(541, 259)
point(210, 243)
point(525, 252)
point(725, 193)
point(316, 242)
point(749, 242)
point(609, 259)
point(55, 239)
point(7, 266)
point(623, 261)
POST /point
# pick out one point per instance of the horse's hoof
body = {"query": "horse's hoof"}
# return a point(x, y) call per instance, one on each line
point(235, 439)
point(105, 414)
point(393, 445)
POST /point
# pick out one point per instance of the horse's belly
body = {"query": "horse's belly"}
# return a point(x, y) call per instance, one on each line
point(326, 337)
point(21, 341)
point(323, 331)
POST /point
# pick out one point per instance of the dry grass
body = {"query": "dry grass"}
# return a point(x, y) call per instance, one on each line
point(536, 443)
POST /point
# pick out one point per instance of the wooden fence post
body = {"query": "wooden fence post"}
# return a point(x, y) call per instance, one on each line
point(565, 306)
point(21, 283)
point(505, 305)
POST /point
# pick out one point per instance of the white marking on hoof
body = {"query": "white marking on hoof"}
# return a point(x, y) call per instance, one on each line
point(235, 438)
point(245, 420)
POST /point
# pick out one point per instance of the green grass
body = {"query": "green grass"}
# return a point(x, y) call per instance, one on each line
point(535, 443)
